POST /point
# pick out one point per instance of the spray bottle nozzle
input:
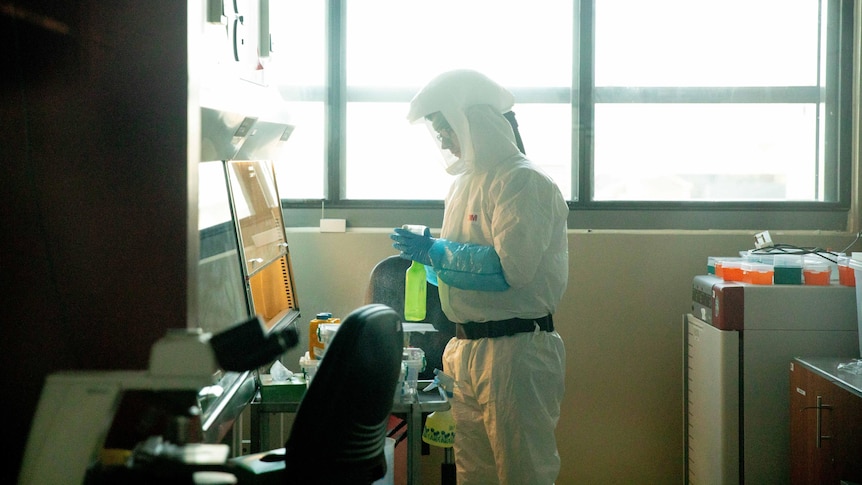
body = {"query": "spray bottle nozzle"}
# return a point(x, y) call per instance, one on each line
point(443, 381)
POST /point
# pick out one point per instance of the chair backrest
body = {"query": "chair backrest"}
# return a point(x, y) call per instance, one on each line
point(339, 431)
point(386, 286)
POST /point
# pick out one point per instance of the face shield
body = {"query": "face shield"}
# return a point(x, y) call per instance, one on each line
point(447, 143)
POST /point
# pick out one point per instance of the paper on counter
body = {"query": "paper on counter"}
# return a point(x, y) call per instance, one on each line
point(417, 327)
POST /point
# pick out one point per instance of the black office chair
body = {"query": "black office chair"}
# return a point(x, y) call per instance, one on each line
point(340, 428)
point(386, 286)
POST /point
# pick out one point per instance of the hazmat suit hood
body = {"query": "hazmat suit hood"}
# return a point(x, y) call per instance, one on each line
point(473, 105)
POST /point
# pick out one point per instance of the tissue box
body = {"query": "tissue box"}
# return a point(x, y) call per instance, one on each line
point(290, 390)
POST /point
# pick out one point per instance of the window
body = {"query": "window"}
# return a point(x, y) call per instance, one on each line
point(706, 101)
point(648, 114)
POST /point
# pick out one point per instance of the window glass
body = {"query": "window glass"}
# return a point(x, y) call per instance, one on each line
point(297, 67)
point(705, 152)
point(706, 43)
point(707, 101)
point(299, 173)
point(414, 41)
point(298, 44)
point(546, 131)
point(388, 158)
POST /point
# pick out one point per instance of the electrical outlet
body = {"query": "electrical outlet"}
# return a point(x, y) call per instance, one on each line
point(762, 240)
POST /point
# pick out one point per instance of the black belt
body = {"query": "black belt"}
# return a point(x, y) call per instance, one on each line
point(502, 328)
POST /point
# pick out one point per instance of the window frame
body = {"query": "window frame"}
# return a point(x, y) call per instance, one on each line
point(585, 213)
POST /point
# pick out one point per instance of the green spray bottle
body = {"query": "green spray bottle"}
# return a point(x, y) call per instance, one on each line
point(414, 285)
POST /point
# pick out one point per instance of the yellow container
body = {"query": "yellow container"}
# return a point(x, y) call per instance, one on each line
point(315, 342)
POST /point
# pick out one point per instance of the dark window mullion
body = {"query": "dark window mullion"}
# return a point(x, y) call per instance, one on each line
point(838, 157)
point(582, 97)
point(542, 94)
point(335, 117)
point(742, 94)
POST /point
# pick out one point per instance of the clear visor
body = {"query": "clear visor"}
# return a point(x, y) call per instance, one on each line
point(443, 144)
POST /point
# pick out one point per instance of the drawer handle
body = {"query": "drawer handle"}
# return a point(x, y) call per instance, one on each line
point(819, 420)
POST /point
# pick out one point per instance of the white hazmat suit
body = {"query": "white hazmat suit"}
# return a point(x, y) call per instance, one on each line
point(502, 254)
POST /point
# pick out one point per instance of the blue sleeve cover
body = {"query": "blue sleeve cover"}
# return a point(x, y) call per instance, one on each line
point(430, 275)
point(468, 266)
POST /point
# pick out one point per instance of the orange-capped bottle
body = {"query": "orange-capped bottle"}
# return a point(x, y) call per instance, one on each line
point(315, 344)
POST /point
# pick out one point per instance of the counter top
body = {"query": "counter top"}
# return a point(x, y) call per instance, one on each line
point(828, 368)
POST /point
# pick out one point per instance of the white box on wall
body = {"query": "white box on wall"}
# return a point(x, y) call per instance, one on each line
point(333, 225)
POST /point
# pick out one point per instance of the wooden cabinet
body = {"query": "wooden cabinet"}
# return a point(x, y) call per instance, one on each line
point(825, 422)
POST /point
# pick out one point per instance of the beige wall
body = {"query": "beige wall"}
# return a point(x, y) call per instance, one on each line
point(621, 319)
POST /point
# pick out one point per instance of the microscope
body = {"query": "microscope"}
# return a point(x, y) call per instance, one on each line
point(160, 425)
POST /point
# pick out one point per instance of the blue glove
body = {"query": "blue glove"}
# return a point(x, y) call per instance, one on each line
point(413, 246)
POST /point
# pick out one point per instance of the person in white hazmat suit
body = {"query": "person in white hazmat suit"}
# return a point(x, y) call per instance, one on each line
point(501, 264)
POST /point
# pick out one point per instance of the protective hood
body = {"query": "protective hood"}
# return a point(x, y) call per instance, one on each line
point(473, 105)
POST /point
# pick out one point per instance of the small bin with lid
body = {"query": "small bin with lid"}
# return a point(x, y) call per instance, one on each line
point(731, 269)
point(846, 273)
point(816, 271)
point(757, 273)
point(787, 269)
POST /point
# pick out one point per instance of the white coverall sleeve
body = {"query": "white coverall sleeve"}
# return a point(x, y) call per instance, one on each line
point(467, 266)
point(523, 223)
